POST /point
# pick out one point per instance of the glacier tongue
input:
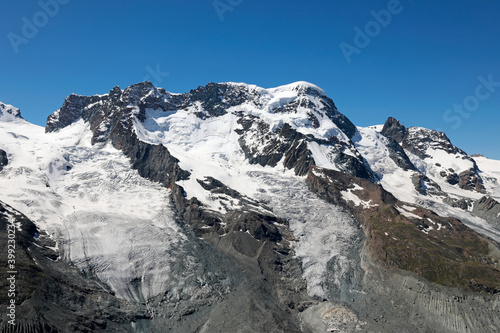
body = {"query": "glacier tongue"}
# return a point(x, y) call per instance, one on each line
point(325, 233)
point(133, 256)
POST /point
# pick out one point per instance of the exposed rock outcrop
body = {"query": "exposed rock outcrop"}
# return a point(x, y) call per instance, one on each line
point(9, 113)
point(3, 159)
point(488, 209)
point(471, 180)
point(422, 142)
point(394, 130)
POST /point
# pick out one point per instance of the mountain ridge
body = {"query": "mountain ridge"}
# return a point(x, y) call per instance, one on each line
point(276, 183)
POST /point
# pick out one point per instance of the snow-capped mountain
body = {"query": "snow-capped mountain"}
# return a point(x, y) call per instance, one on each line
point(9, 113)
point(238, 208)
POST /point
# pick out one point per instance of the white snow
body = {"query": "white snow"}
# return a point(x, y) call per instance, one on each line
point(350, 196)
point(409, 208)
point(403, 211)
point(490, 172)
point(104, 217)
point(297, 86)
point(322, 155)
point(427, 230)
point(9, 113)
point(204, 148)
point(372, 146)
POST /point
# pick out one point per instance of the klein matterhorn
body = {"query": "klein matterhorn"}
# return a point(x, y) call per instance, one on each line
point(234, 208)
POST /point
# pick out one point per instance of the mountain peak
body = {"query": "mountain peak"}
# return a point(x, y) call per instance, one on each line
point(302, 87)
point(394, 130)
point(9, 112)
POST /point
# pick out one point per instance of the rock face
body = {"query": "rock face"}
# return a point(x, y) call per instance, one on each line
point(425, 144)
point(469, 180)
point(111, 117)
point(489, 209)
point(3, 159)
point(418, 140)
point(426, 186)
point(394, 130)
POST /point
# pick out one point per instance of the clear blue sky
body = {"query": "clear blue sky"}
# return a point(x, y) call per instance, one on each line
point(415, 68)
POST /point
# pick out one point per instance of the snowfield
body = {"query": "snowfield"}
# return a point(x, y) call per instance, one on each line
point(372, 146)
point(491, 175)
point(103, 215)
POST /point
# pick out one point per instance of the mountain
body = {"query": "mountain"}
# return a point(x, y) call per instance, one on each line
point(9, 113)
point(238, 208)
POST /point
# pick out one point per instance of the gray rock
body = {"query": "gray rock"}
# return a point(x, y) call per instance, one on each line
point(398, 155)
point(471, 180)
point(462, 203)
point(3, 159)
point(488, 209)
point(394, 130)
point(424, 185)
point(13, 111)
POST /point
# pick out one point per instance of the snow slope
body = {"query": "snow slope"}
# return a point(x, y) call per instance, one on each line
point(9, 113)
point(491, 175)
point(373, 147)
point(103, 215)
point(213, 142)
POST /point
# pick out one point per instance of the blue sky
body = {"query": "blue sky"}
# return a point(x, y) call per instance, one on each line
point(433, 64)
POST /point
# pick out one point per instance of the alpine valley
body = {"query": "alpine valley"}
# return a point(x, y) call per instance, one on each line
point(234, 208)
